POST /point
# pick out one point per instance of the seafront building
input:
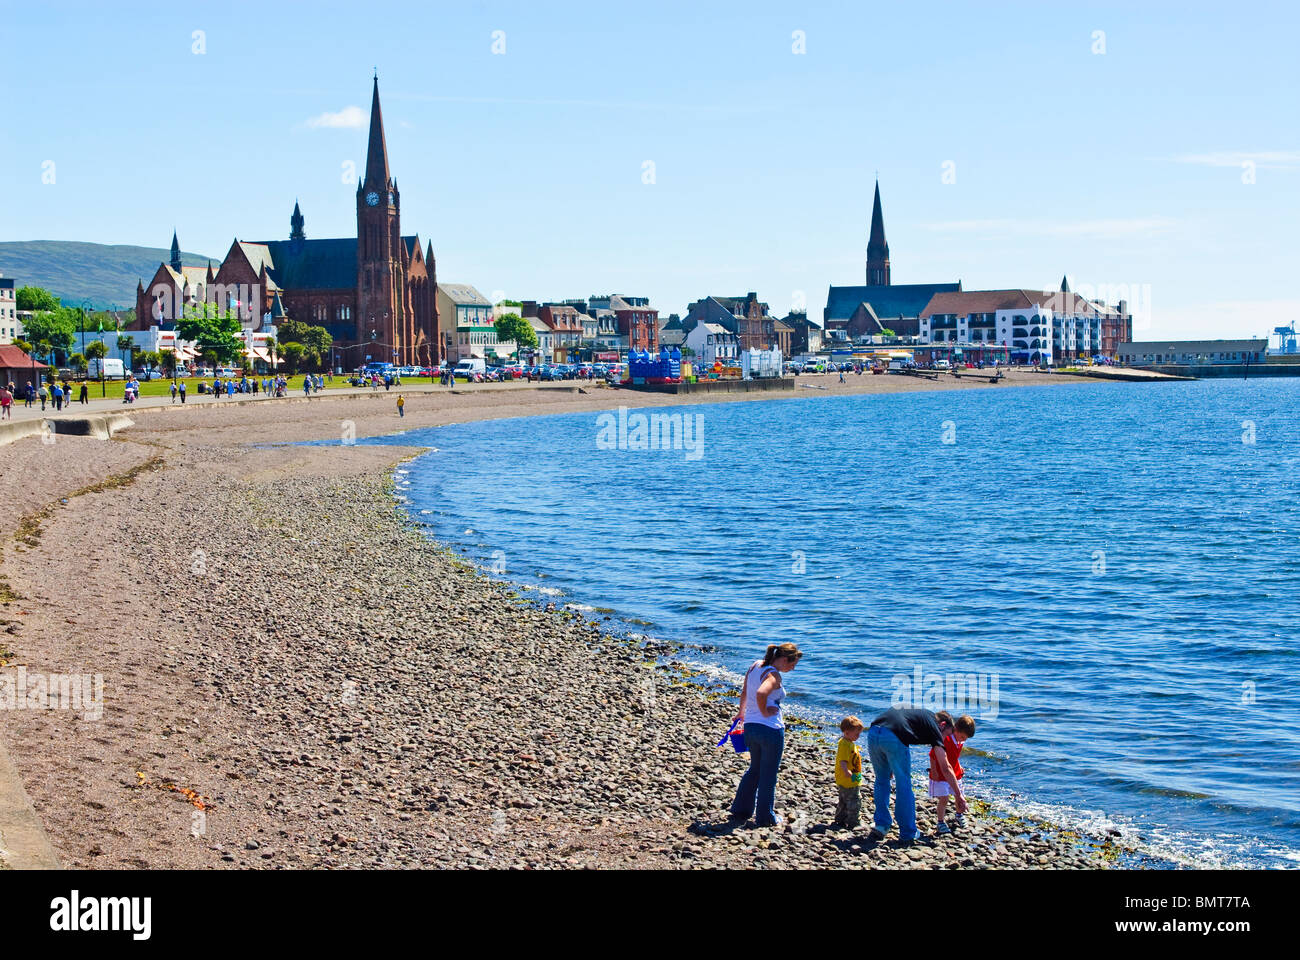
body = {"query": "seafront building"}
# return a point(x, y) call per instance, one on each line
point(712, 342)
point(747, 317)
point(10, 328)
point(372, 292)
point(1034, 326)
point(880, 305)
point(1192, 352)
point(636, 320)
point(466, 323)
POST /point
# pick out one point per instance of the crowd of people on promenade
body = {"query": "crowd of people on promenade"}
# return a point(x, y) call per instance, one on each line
point(56, 395)
point(890, 738)
point(226, 388)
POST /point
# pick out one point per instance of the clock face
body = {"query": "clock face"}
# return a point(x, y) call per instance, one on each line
point(372, 198)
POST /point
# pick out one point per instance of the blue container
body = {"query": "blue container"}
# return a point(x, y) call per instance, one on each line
point(738, 742)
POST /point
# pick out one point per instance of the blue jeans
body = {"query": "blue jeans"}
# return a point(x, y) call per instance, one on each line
point(766, 744)
point(891, 758)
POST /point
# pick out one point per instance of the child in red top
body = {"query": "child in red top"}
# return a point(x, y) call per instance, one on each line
point(962, 730)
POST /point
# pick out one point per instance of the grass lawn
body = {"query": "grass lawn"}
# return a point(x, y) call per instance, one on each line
point(163, 387)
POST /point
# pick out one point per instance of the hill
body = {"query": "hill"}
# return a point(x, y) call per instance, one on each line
point(75, 271)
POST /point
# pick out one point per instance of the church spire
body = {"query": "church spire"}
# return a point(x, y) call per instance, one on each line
point(176, 253)
point(296, 224)
point(1065, 284)
point(877, 247)
point(377, 152)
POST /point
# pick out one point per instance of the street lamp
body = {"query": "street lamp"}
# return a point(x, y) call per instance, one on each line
point(84, 304)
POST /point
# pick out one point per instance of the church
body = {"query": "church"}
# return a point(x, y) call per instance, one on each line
point(879, 304)
point(376, 293)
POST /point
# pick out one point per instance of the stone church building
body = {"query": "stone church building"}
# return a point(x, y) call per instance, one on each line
point(376, 293)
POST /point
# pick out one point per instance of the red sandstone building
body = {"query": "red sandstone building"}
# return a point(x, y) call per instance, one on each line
point(375, 293)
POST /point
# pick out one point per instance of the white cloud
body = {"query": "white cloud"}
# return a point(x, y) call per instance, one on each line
point(347, 117)
point(1265, 159)
point(1091, 229)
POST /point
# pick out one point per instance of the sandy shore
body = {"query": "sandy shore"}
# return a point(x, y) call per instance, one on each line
point(295, 676)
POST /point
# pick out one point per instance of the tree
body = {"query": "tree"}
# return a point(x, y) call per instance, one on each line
point(97, 350)
point(167, 360)
point(315, 340)
point(23, 345)
point(215, 332)
point(126, 345)
point(151, 360)
point(511, 326)
point(78, 361)
point(293, 354)
point(57, 328)
point(36, 299)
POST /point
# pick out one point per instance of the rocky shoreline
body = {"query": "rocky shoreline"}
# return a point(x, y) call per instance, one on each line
point(296, 676)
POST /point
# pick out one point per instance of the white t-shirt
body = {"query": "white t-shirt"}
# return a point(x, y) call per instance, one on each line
point(757, 674)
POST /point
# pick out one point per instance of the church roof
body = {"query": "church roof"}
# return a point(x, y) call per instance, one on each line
point(377, 151)
point(257, 254)
point(877, 247)
point(313, 264)
point(896, 300)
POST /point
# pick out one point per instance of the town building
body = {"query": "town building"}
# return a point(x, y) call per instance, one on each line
point(1191, 352)
point(374, 293)
point(19, 368)
point(466, 323)
point(545, 351)
point(671, 333)
point(805, 336)
point(1036, 326)
point(879, 305)
point(712, 342)
point(637, 322)
point(10, 327)
point(747, 317)
point(566, 325)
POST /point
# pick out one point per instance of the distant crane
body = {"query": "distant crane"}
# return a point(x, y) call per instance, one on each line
point(1286, 338)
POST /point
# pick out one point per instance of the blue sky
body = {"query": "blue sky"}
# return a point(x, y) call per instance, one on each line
point(526, 168)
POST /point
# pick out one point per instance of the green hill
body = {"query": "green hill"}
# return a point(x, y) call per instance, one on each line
point(74, 271)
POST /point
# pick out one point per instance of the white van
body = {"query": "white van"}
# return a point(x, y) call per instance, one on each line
point(470, 366)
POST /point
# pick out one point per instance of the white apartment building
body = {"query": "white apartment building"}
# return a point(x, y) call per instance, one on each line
point(11, 328)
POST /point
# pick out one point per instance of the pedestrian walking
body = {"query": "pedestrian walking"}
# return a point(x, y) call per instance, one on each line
point(401, 405)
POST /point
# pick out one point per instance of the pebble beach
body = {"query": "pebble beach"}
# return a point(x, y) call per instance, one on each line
point(296, 676)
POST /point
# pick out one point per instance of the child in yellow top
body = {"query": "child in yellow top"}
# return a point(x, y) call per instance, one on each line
point(401, 405)
point(848, 775)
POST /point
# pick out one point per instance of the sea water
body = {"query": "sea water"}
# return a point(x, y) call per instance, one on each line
point(1106, 576)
